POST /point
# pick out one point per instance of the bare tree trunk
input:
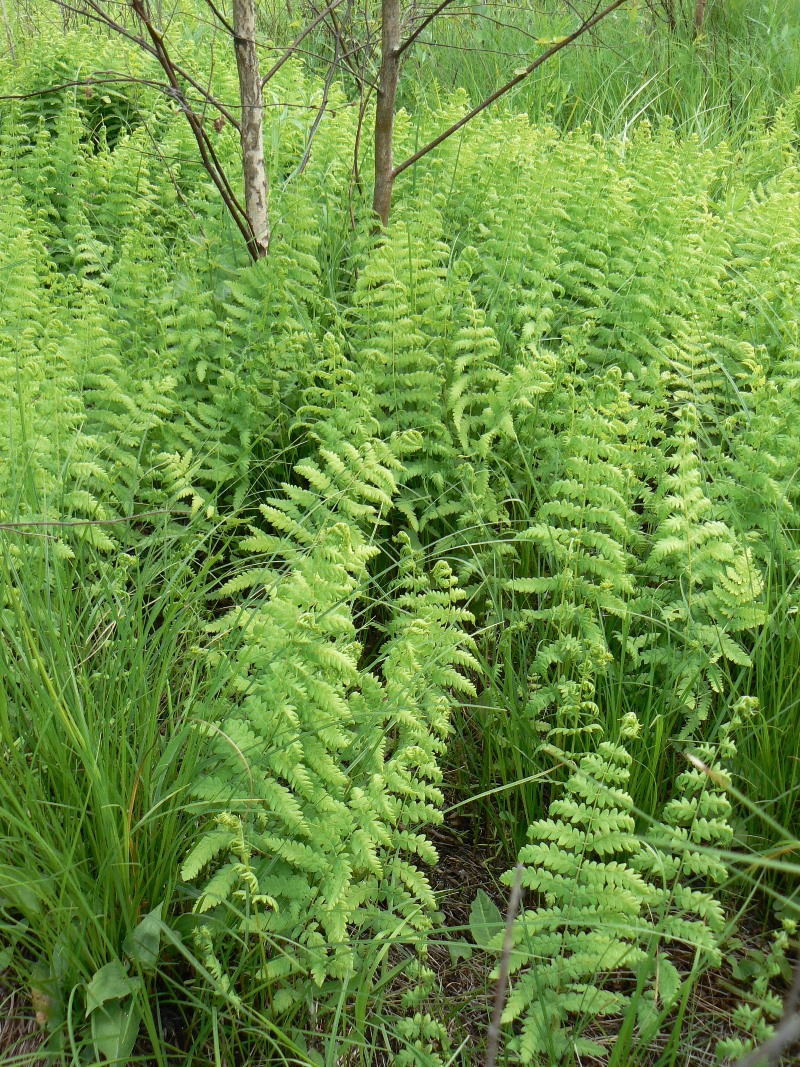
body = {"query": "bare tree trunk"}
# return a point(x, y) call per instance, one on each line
point(699, 14)
point(384, 115)
point(7, 25)
point(256, 184)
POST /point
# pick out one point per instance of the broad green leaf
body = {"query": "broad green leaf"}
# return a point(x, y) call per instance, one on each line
point(47, 996)
point(143, 943)
point(459, 950)
point(6, 956)
point(749, 967)
point(109, 983)
point(485, 920)
point(11, 934)
point(22, 891)
point(115, 1027)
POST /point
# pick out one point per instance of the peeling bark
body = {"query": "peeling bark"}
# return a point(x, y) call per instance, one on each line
point(256, 183)
point(384, 114)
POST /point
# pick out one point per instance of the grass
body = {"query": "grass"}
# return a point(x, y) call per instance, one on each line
point(743, 65)
point(714, 85)
point(101, 687)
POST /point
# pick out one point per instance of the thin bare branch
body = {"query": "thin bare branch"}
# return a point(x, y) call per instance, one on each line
point(355, 180)
point(218, 14)
point(207, 152)
point(100, 14)
point(12, 50)
point(85, 83)
point(501, 990)
point(352, 51)
point(490, 18)
point(424, 24)
point(319, 116)
point(298, 41)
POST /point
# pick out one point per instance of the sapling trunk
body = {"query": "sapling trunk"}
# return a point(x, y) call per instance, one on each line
point(384, 114)
point(254, 169)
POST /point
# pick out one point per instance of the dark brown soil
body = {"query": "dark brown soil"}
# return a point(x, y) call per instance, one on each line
point(465, 991)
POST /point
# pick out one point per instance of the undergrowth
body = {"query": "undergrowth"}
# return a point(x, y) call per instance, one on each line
point(501, 504)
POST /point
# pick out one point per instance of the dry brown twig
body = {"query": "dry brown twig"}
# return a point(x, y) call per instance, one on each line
point(493, 1043)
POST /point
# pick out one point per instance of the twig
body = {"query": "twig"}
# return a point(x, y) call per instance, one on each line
point(83, 83)
point(206, 148)
point(215, 11)
point(423, 25)
point(472, 13)
point(493, 1043)
point(319, 116)
point(298, 41)
point(12, 50)
point(337, 31)
point(102, 16)
point(355, 179)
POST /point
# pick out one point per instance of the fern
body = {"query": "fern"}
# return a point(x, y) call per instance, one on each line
point(594, 919)
point(756, 1020)
point(536, 445)
point(711, 585)
point(325, 768)
point(613, 905)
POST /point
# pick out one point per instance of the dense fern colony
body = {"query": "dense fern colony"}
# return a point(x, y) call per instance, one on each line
point(531, 453)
